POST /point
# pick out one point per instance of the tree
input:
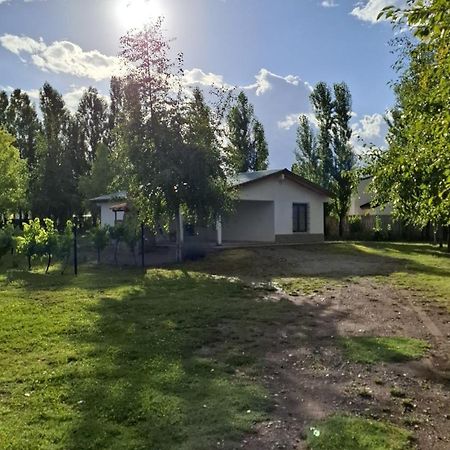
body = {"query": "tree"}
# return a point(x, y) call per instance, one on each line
point(322, 102)
point(329, 159)
point(344, 158)
point(54, 187)
point(4, 101)
point(308, 163)
point(100, 239)
point(248, 146)
point(13, 176)
point(100, 178)
point(169, 162)
point(23, 124)
point(92, 116)
point(414, 173)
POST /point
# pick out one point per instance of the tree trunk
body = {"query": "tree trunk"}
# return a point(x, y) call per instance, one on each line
point(98, 256)
point(49, 261)
point(29, 262)
point(341, 226)
point(448, 238)
point(441, 236)
point(178, 226)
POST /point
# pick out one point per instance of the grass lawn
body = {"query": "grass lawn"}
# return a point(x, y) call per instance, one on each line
point(354, 433)
point(114, 359)
point(172, 359)
point(368, 349)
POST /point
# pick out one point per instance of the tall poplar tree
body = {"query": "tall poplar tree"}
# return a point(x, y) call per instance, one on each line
point(92, 116)
point(22, 122)
point(308, 162)
point(54, 190)
point(248, 147)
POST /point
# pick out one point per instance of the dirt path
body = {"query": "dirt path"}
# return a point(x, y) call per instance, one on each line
point(309, 377)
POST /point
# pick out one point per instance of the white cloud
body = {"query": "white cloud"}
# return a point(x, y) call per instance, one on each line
point(370, 130)
point(329, 4)
point(292, 120)
point(368, 10)
point(198, 77)
point(265, 80)
point(72, 97)
point(62, 57)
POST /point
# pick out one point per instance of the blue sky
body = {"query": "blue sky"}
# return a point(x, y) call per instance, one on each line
point(274, 49)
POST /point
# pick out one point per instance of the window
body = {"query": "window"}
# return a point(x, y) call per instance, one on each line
point(300, 217)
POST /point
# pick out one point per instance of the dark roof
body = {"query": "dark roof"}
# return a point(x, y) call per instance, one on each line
point(240, 179)
point(250, 177)
point(121, 195)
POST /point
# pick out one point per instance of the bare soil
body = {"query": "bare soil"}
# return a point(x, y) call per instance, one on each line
point(309, 377)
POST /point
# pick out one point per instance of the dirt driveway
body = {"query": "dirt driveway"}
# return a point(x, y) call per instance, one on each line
point(309, 376)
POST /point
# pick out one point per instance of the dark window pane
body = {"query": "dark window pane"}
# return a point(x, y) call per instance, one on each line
point(300, 217)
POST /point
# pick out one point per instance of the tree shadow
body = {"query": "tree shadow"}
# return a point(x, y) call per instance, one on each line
point(173, 364)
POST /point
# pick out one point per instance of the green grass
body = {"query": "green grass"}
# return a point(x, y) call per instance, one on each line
point(353, 433)
point(422, 267)
point(303, 285)
point(366, 349)
point(115, 359)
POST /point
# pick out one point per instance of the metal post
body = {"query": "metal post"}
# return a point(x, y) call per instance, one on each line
point(75, 248)
point(142, 245)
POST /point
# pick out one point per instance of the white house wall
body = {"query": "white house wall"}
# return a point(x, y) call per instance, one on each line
point(107, 215)
point(362, 197)
point(251, 221)
point(284, 193)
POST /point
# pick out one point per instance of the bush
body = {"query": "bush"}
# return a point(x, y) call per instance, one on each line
point(355, 224)
point(6, 239)
point(100, 239)
point(377, 229)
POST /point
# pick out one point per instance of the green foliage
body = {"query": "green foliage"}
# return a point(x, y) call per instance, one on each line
point(340, 432)
point(100, 238)
point(65, 244)
point(378, 229)
point(13, 176)
point(414, 173)
point(248, 147)
point(328, 159)
point(6, 239)
point(367, 349)
point(355, 224)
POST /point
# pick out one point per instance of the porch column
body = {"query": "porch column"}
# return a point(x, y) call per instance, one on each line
point(219, 230)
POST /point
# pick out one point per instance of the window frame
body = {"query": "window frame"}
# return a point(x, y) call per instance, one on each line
point(296, 217)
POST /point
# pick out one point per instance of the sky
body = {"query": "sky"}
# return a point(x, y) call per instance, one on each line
point(274, 50)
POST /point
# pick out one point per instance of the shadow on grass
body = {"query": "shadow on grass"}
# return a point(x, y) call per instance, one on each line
point(173, 364)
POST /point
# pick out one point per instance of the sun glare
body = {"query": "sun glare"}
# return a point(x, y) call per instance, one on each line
point(136, 13)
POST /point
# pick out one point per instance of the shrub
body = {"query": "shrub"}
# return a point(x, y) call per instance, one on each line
point(6, 239)
point(100, 239)
point(355, 224)
point(377, 229)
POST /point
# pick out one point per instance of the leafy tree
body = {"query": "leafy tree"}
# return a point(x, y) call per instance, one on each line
point(54, 188)
point(13, 176)
point(328, 159)
point(414, 173)
point(168, 160)
point(100, 239)
point(4, 101)
point(64, 245)
point(248, 146)
point(344, 157)
point(23, 124)
point(100, 178)
point(308, 163)
point(32, 240)
point(50, 241)
point(6, 239)
point(92, 116)
point(322, 102)
point(117, 235)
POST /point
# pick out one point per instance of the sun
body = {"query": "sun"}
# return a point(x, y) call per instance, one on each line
point(136, 13)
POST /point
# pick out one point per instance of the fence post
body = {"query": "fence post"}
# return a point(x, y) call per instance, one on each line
point(142, 245)
point(75, 248)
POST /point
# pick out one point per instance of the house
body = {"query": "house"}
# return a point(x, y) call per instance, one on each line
point(361, 202)
point(271, 206)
